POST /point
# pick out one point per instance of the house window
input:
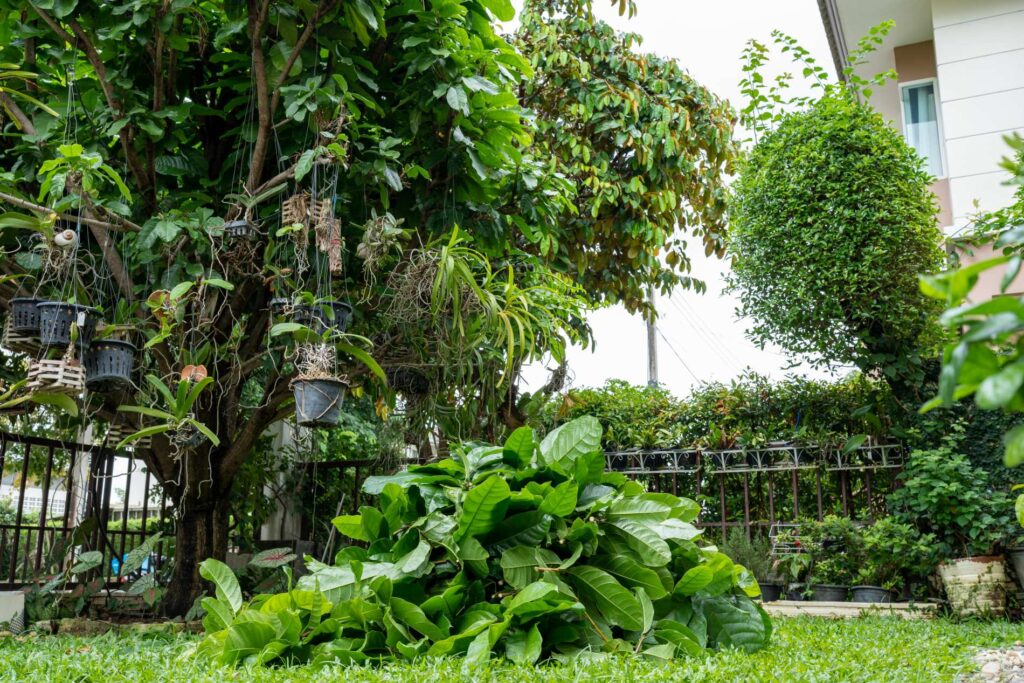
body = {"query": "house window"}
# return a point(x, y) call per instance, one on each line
point(921, 123)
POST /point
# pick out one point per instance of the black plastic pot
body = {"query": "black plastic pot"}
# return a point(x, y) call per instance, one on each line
point(238, 229)
point(108, 364)
point(25, 316)
point(870, 594)
point(795, 591)
point(770, 592)
point(1015, 558)
point(824, 592)
point(56, 318)
point(327, 315)
point(318, 401)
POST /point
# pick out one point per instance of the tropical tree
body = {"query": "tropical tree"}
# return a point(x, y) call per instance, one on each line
point(225, 168)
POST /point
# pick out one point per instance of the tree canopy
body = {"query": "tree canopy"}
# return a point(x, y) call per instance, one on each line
point(223, 168)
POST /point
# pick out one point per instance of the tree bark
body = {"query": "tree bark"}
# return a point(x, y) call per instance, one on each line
point(201, 532)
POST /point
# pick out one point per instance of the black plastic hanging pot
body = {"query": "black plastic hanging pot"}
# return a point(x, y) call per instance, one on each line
point(238, 229)
point(108, 364)
point(25, 316)
point(326, 315)
point(318, 401)
point(56, 318)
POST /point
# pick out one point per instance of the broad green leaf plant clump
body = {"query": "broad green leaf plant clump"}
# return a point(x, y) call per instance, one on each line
point(530, 551)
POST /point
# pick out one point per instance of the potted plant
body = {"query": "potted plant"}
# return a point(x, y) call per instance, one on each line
point(25, 316)
point(175, 418)
point(319, 392)
point(57, 318)
point(896, 555)
point(1015, 558)
point(836, 548)
point(111, 356)
point(943, 494)
point(320, 315)
point(790, 565)
point(754, 555)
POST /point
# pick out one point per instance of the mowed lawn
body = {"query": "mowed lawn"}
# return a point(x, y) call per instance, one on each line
point(803, 649)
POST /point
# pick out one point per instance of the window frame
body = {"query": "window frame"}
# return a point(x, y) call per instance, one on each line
point(944, 171)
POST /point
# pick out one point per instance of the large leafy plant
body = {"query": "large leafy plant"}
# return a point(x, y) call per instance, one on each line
point(530, 551)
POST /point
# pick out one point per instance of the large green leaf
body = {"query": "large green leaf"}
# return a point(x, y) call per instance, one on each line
point(134, 560)
point(695, 579)
point(561, 501)
point(502, 9)
point(599, 590)
point(224, 581)
point(736, 621)
point(565, 444)
point(524, 647)
point(526, 528)
point(650, 548)
point(519, 564)
point(638, 509)
point(520, 447)
point(631, 573)
point(483, 507)
point(413, 616)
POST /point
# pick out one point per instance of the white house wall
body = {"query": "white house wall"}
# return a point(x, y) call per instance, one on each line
point(979, 54)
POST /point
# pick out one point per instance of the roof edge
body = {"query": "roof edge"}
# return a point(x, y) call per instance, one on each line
point(834, 33)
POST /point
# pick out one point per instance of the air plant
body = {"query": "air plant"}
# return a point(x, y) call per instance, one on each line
point(176, 417)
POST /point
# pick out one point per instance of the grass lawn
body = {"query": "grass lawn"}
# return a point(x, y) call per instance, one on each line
point(803, 649)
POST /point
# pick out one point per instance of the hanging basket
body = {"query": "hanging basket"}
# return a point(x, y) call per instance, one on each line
point(116, 433)
point(25, 316)
point(323, 316)
point(56, 318)
point(318, 401)
point(18, 341)
point(56, 376)
point(108, 365)
point(238, 229)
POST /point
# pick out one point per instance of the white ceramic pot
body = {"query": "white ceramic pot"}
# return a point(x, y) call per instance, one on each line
point(976, 585)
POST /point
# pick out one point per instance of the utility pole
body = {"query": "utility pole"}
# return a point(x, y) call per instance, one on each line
point(652, 344)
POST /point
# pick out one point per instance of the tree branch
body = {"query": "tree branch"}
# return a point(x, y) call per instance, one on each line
point(275, 393)
point(259, 72)
point(100, 69)
point(321, 11)
point(123, 225)
point(24, 122)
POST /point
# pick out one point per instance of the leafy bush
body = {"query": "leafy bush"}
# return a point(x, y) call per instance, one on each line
point(750, 411)
point(832, 224)
point(894, 553)
point(836, 547)
point(752, 553)
point(942, 494)
point(530, 551)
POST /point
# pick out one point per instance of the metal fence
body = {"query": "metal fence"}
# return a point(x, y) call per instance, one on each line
point(49, 487)
point(757, 488)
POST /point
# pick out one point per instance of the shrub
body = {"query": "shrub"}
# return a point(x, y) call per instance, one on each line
point(831, 226)
point(836, 547)
point(529, 550)
point(943, 495)
point(895, 553)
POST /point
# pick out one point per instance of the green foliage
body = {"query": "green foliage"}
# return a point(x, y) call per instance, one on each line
point(524, 551)
point(750, 411)
point(985, 360)
point(751, 553)
point(895, 552)
point(646, 146)
point(832, 224)
point(804, 650)
point(943, 495)
point(836, 548)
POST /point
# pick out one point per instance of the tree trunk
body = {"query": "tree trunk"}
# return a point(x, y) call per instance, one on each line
point(201, 532)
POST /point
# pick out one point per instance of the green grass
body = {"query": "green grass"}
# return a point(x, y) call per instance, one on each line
point(803, 649)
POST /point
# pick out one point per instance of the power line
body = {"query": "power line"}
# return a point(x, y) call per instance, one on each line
point(676, 354)
point(708, 339)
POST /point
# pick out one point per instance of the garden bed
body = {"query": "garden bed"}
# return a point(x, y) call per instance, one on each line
point(803, 649)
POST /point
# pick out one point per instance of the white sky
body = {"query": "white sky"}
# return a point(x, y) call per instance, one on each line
point(703, 340)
